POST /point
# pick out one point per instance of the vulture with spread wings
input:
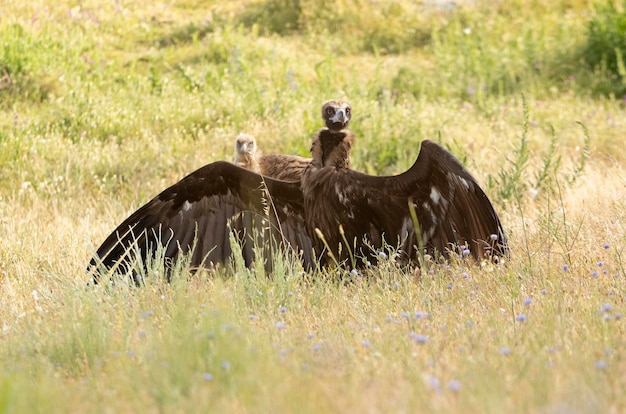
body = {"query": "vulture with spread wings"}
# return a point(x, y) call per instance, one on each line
point(332, 215)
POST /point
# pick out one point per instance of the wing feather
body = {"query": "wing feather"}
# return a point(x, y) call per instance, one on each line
point(451, 209)
point(199, 212)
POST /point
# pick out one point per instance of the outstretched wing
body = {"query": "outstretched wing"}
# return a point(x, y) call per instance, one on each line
point(436, 204)
point(197, 216)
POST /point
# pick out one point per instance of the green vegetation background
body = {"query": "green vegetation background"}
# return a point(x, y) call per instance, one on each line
point(104, 104)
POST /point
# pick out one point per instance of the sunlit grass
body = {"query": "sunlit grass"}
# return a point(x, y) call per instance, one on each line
point(105, 104)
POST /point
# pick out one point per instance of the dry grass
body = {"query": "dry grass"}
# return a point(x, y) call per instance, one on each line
point(94, 125)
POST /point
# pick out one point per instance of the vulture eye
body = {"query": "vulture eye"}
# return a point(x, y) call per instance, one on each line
point(348, 111)
point(330, 111)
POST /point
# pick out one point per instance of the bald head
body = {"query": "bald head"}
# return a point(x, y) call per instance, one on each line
point(246, 152)
point(336, 114)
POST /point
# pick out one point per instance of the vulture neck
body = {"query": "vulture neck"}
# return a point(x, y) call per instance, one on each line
point(248, 161)
point(332, 149)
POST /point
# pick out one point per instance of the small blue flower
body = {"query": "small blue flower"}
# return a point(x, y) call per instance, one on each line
point(225, 365)
point(433, 382)
point(594, 274)
point(382, 255)
point(607, 307)
point(565, 268)
point(317, 347)
point(310, 335)
point(207, 376)
point(420, 339)
point(505, 350)
point(280, 325)
point(544, 292)
point(521, 317)
point(282, 309)
point(354, 272)
point(252, 317)
point(454, 386)
point(600, 364)
point(365, 344)
point(493, 237)
point(147, 314)
point(405, 315)
point(606, 245)
point(600, 264)
point(421, 315)
point(528, 302)
point(465, 275)
point(466, 252)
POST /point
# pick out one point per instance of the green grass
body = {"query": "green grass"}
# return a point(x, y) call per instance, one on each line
point(105, 104)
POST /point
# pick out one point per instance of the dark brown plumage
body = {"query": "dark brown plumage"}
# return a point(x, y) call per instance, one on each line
point(198, 214)
point(434, 207)
point(450, 209)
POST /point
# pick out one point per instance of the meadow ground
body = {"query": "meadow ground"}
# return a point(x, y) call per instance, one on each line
point(104, 104)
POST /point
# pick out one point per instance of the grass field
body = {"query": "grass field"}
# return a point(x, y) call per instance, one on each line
point(104, 104)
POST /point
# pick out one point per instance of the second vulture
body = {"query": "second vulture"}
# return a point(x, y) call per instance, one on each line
point(332, 215)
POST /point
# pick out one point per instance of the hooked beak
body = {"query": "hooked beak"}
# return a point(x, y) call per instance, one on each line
point(245, 149)
point(339, 117)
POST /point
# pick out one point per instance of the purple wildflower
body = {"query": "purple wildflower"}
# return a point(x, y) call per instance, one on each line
point(420, 339)
point(454, 386)
point(421, 315)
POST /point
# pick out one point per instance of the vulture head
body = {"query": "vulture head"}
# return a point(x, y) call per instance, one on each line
point(246, 152)
point(336, 114)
